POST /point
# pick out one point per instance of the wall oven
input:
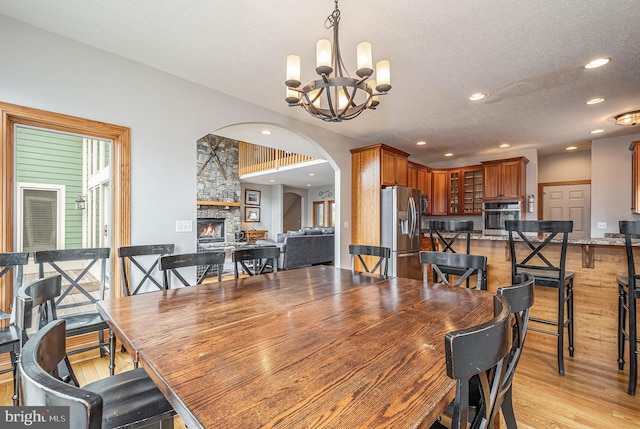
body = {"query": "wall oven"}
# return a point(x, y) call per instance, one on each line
point(494, 215)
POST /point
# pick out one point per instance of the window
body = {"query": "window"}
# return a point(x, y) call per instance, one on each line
point(42, 217)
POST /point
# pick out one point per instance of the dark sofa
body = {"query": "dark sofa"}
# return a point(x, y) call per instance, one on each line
point(308, 246)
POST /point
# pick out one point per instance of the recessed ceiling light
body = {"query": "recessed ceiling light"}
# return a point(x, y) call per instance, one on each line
point(448, 154)
point(312, 174)
point(308, 184)
point(596, 100)
point(477, 96)
point(266, 132)
point(271, 180)
point(421, 143)
point(572, 148)
point(598, 131)
point(598, 62)
point(503, 145)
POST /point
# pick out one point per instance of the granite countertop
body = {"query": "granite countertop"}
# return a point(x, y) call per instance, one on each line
point(608, 240)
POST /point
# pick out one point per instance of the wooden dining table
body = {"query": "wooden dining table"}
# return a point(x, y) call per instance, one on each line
point(316, 347)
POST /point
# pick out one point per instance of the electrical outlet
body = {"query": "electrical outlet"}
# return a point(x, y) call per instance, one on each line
point(184, 226)
point(602, 225)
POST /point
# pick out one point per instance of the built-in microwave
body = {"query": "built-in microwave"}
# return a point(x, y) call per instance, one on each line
point(494, 215)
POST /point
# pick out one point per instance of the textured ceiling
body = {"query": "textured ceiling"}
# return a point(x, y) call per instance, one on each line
point(527, 55)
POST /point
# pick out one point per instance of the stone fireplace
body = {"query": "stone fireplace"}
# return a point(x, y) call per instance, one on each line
point(218, 191)
point(218, 195)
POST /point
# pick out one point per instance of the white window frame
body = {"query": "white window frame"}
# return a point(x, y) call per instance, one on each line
point(22, 186)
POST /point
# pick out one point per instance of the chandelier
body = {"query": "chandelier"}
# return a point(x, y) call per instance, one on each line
point(338, 97)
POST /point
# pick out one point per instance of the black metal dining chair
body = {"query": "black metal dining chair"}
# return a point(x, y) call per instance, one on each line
point(465, 265)
point(520, 298)
point(628, 294)
point(129, 399)
point(254, 261)
point(380, 256)
point(77, 282)
point(11, 335)
point(538, 255)
point(450, 236)
point(142, 261)
point(480, 351)
point(171, 264)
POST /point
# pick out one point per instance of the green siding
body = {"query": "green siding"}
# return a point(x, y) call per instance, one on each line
point(51, 158)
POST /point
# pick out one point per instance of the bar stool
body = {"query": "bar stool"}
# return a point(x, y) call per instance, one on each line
point(549, 270)
point(628, 292)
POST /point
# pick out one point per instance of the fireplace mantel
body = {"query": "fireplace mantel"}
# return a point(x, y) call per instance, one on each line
point(218, 203)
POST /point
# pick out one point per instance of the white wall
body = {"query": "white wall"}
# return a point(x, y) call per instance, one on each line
point(565, 167)
point(166, 116)
point(611, 183)
point(314, 195)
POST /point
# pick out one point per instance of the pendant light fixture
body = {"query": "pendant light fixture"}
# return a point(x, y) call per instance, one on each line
point(334, 98)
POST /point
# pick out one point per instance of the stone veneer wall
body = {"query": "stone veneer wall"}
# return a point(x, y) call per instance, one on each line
point(212, 186)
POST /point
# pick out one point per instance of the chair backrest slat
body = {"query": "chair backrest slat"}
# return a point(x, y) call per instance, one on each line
point(462, 264)
point(262, 257)
point(383, 254)
point(172, 263)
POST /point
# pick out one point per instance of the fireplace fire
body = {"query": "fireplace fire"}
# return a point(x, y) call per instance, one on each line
point(210, 230)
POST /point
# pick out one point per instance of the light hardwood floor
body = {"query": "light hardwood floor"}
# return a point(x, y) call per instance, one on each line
point(591, 395)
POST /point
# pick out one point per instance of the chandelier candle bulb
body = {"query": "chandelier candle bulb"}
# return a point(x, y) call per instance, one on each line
point(293, 71)
point(383, 74)
point(323, 57)
point(365, 63)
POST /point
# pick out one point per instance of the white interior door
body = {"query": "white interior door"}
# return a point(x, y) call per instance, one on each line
point(569, 202)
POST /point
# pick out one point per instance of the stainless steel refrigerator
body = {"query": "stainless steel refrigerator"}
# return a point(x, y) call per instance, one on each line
point(400, 225)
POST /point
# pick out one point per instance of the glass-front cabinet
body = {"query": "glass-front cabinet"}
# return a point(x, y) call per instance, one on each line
point(465, 190)
point(472, 189)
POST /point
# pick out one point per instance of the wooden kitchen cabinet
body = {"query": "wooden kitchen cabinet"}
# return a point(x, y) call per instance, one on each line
point(372, 168)
point(439, 192)
point(504, 179)
point(412, 175)
point(394, 165)
point(635, 177)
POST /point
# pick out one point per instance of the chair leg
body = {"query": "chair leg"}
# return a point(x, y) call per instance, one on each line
point(112, 352)
point(622, 324)
point(507, 410)
point(101, 341)
point(14, 367)
point(570, 315)
point(561, 323)
point(633, 358)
